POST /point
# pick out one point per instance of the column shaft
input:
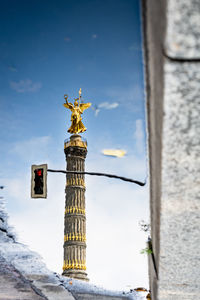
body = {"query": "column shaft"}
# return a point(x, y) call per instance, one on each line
point(75, 220)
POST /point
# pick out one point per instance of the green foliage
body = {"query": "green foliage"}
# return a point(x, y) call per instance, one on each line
point(147, 250)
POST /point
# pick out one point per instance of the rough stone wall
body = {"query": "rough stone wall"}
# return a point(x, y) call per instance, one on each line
point(172, 44)
point(153, 32)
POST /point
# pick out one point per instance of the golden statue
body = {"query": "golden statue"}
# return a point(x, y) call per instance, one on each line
point(76, 109)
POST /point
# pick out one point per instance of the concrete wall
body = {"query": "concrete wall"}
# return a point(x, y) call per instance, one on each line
point(172, 58)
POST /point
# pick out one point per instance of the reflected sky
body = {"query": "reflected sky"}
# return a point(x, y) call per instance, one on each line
point(52, 48)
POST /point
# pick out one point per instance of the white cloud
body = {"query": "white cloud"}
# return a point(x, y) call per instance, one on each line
point(127, 96)
point(96, 112)
point(139, 136)
point(94, 36)
point(108, 105)
point(18, 188)
point(114, 152)
point(40, 224)
point(114, 238)
point(104, 105)
point(67, 39)
point(26, 85)
point(135, 47)
point(12, 68)
point(33, 149)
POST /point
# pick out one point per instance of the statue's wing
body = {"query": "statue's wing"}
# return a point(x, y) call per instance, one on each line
point(84, 106)
point(69, 106)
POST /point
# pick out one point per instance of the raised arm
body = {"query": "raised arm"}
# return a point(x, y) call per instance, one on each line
point(67, 104)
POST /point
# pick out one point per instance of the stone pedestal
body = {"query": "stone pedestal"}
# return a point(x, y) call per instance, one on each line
point(75, 220)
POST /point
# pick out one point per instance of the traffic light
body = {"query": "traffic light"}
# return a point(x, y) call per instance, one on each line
point(39, 181)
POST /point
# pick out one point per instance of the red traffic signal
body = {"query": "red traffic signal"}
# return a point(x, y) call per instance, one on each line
point(39, 172)
point(39, 181)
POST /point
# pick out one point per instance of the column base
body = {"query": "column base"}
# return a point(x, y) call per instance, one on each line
point(76, 274)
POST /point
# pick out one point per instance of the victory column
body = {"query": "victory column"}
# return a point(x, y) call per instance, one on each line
point(75, 150)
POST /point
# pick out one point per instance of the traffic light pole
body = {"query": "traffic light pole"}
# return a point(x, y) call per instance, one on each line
point(99, 174)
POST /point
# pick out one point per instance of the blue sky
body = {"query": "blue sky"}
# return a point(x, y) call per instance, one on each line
point(52, 48)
